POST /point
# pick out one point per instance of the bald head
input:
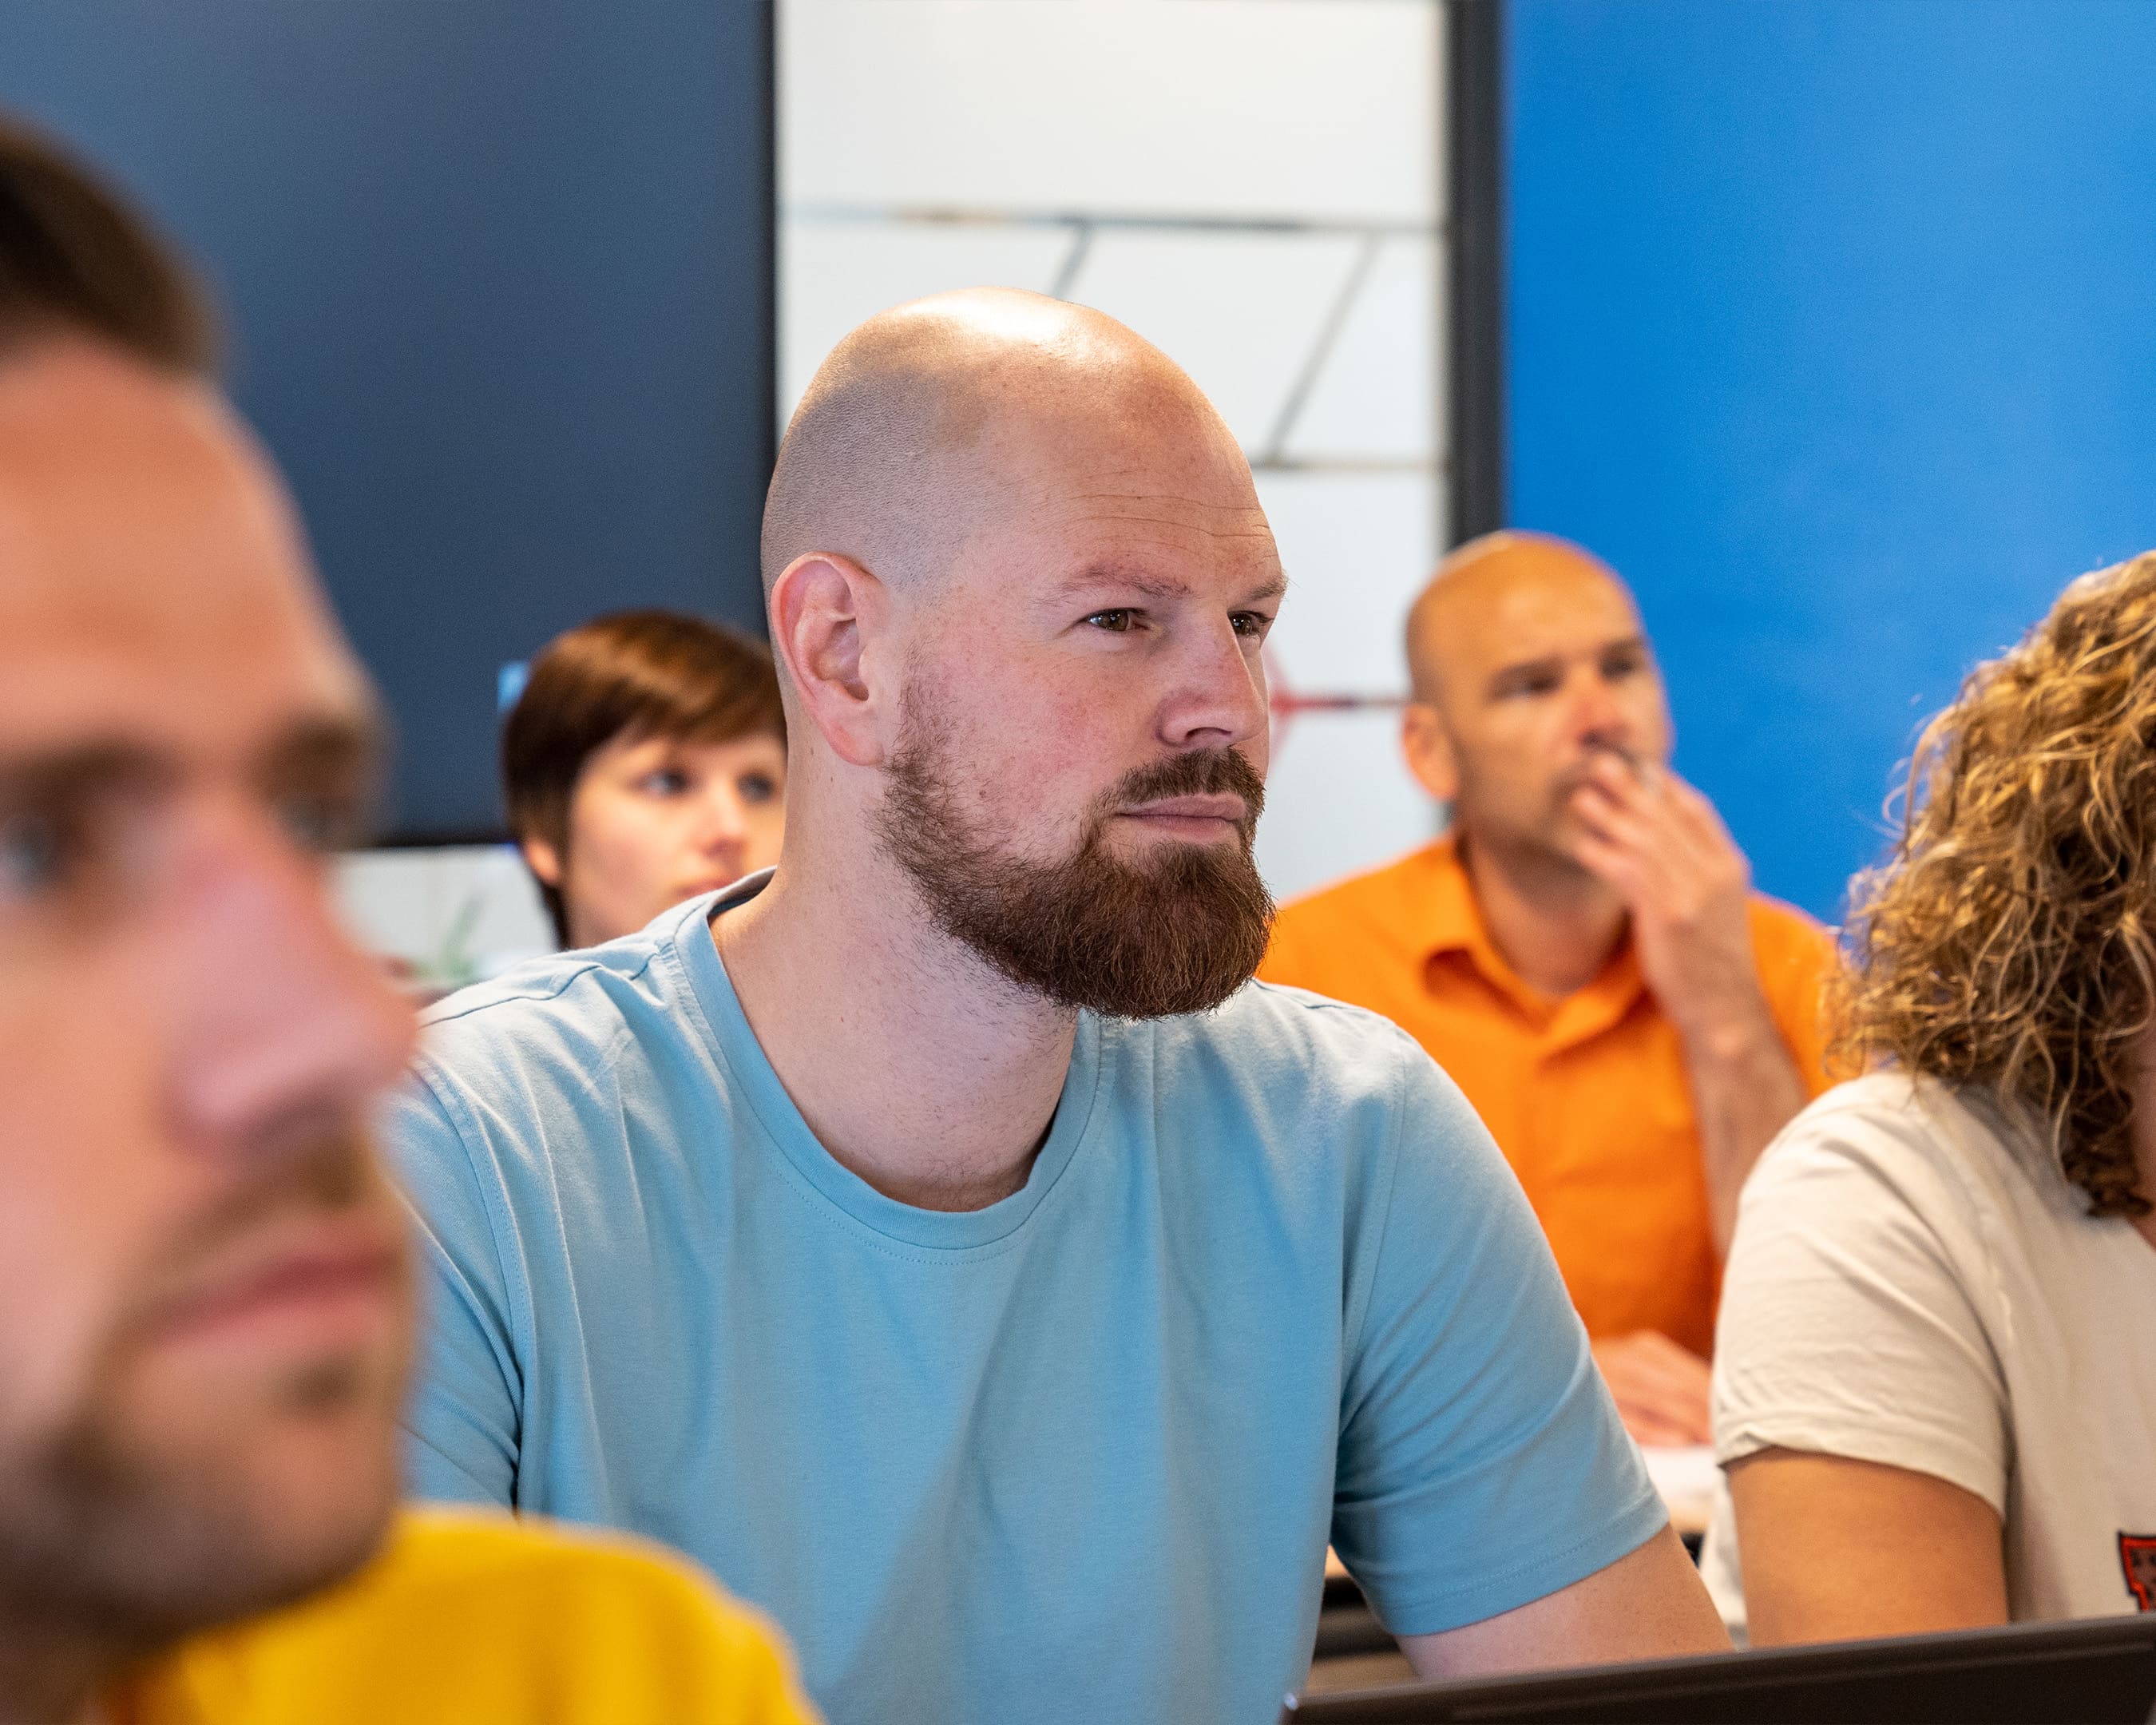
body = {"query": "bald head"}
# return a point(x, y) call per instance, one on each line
point(931, 418)
point(1482, 595)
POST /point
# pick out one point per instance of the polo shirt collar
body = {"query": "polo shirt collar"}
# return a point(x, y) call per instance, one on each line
point(1452, 923)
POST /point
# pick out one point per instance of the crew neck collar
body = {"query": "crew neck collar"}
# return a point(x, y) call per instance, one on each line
point(693, 947)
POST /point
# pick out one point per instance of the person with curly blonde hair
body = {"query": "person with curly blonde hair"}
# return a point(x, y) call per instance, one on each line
point(1935, 1387)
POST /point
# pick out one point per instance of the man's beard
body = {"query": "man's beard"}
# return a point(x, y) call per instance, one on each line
point(1178, 932)
point(108, 1534)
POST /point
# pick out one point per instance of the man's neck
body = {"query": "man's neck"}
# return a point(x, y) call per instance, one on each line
point(1554, 923)
point(914, 1064)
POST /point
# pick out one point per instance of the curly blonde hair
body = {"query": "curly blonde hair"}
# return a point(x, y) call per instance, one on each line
point(2006, 941)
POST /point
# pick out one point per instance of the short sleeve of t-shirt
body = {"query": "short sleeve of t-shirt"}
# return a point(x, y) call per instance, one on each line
point(462, 1423)
point(1847, 1323)
point(1482, 1464)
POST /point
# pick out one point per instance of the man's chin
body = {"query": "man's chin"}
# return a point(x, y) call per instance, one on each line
point(158, 1516)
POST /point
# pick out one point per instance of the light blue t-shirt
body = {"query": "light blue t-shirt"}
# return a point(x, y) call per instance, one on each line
point(1072, 1457)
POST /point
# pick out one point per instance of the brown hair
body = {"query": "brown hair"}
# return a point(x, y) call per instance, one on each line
point(2007, 939)
point(640, 674)
point(74, 257)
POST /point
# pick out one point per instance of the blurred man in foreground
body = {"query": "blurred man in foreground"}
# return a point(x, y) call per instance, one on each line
point(936, 1236)
point(1582, 954)
point(205, 1288)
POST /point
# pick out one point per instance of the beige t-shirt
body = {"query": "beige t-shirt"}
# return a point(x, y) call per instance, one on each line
point(1914, 1282)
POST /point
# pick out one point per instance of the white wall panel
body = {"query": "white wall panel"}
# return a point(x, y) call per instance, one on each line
point(1241, 312)
point(1338, 799)
point(1376, 396)
point(454, 914)
point(836, 274)
point(1357, 548)
point(1312, 108)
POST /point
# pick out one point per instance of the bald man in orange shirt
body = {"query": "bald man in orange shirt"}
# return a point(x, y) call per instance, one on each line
point(1582, 952)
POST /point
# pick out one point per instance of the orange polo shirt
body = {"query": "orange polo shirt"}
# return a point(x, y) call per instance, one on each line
point(1586, 1096)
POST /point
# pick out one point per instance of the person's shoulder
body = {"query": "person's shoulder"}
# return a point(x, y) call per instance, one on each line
point(1304, 1063)
point(1272, 1024)
point(1907, 1138)
point(560, 987)
point(1781, 931)
point(615, 1628)
point(567, 1009)
point(525, 1569)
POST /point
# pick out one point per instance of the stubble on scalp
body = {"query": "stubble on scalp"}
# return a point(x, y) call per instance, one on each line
point(922, 425)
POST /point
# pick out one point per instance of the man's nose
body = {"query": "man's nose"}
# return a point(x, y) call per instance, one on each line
point(1598, 716)
point(278, 1018)
point(1218, 700)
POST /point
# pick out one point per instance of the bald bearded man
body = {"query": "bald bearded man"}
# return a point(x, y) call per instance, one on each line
point(1581, 952)
point(936, 1236)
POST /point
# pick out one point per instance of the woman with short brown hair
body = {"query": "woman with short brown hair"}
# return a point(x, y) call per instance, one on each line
point(644, 762)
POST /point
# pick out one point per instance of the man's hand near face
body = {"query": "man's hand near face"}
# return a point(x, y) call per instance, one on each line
point(1662, 848)
point(1660, 1387)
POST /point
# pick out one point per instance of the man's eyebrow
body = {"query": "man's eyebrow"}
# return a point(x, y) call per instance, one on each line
point(1094, 575)
point(1519, 668)
point(92, 767)
point(1154, 587)
point(324, 746)
point(315, 750)
point(337, 759)
point(1635, 642)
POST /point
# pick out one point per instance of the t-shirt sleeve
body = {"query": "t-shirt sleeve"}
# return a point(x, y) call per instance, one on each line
point(462, 1421)
point(1847, 1328)
point(1481, 1463)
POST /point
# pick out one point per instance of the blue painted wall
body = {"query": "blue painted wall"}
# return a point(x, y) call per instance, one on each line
point(499, 276)
point(1833, 326)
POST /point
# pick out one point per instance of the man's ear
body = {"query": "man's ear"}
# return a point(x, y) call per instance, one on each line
point(544, 861)
point(1428, 746)
point(829, 617)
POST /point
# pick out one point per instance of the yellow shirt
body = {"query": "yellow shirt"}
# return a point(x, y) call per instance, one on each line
point(473, 1620)
point(1587, 1096)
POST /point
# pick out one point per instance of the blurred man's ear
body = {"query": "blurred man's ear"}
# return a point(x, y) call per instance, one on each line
point(1428, 746)
point(544, 861)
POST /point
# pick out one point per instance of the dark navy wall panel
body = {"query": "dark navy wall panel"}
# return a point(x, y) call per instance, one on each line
point(499, 272)
point(1833, 326)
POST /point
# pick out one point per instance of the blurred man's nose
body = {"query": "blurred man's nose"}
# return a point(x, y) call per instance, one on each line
point(278, 1016)
point(1599, 717)
point(1219, 697)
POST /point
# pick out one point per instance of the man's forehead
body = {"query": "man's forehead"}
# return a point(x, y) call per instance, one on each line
point(1161, 546)
point(1528, 617)
point(1575, 609)
point(150, 577)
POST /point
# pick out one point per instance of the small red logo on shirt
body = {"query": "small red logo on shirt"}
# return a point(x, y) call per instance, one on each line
point(2137, 1555)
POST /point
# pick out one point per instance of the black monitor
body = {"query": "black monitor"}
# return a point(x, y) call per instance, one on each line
point(2101, 1671)
point(498, 275)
